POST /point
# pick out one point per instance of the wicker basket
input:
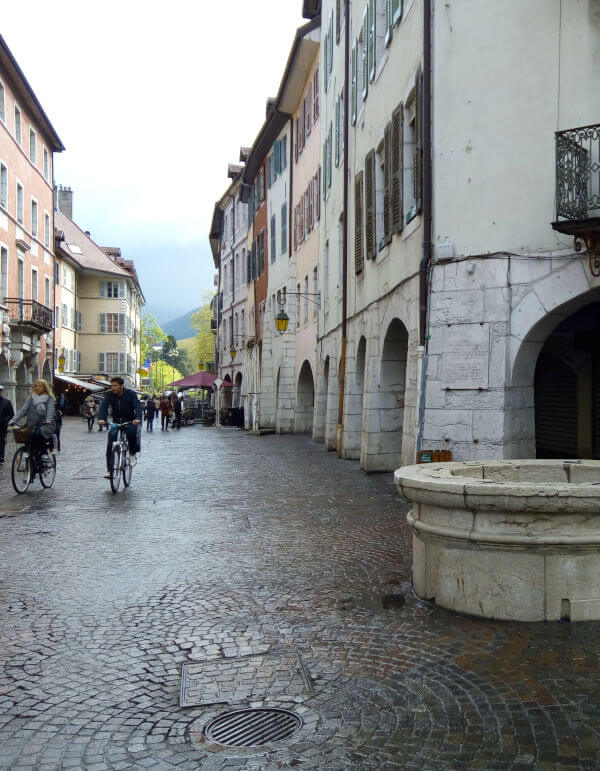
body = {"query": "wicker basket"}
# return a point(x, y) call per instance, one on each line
point(22, 435)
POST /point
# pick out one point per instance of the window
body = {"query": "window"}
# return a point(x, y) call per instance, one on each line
point(46, 164)
point(283, 144)
point(57, 316)
point(409, 153)
point(273, 237)
point(57, 273)
point(34, 284)
point(358, 223)
point(284, 228)
point(47, 291)
point(113, 323)
point(243, 321)
point(46, 230)
point(261, 252)
point(305, 299)
point(330, 44)
point(18, 125)
point(3, 273)
point(370, 203)
point(339, 128)
point(3, 186)
point(113, 289)
point(20, 202)
point(112, 363)
point(32, 146)
point(316, 95)
point(354, 83)
point(325, 302)
point(393, 13)
point(315, 290)
point(66, 316)
point(34, 218)
point(2, 104)
point(307, 110)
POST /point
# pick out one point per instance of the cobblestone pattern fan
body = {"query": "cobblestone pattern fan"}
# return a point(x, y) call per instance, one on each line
point(253, 727)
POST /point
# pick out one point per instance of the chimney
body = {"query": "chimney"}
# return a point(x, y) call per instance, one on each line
point(64, 200)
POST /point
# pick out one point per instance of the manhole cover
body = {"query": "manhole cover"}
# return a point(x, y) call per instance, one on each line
point(252, 727)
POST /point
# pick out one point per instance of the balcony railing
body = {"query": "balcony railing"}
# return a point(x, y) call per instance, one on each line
point(578, 173)
point(29, 312)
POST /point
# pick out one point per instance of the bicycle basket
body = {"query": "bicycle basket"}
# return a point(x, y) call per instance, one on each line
point(22, 435)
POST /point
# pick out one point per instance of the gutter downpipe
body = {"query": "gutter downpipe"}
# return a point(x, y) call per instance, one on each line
point(427, 220)
point(342, 370)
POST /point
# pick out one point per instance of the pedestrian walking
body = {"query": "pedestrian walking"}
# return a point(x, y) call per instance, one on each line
point(89, 411)
point(165, 413)
point(176, 402)
point(38, 412)
point(58, 420)
point(62, 403)
point(6, 413)
point(150, 412)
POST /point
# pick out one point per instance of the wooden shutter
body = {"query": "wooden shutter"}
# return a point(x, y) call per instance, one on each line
point(316, 95)
point(358, 223)
point(122, 363)
point(330, 42)
point(418, 165)
point(365, 55)
point(103, 323)
point(103, 292)
point(122, 290)
point(307, 107)
point(338, 20)
point(396, 213)
point(371, 52)
point(370, 234)
point(101, 365)
point(354, 87)
point(387, 182)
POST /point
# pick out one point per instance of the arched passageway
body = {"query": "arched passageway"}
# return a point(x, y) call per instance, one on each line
point(305, 400)
point(237, 390)
point(567, 388)
point(226, 394)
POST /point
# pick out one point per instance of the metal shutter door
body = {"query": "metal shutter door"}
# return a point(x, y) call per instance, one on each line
point(555, 409)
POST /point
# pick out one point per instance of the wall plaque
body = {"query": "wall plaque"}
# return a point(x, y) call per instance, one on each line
point(465, 356)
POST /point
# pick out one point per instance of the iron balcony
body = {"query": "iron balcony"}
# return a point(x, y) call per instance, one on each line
point(29, 313)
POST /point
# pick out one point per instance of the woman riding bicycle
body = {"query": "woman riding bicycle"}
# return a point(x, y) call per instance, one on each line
point(39, 411)
point(125, 407)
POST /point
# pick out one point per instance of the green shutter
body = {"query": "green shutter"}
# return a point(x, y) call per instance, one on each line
point(359, 259)
point(396, 214)
point(370, 232)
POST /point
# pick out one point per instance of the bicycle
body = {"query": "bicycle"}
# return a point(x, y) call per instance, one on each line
point(26, 464)
point(120, 462)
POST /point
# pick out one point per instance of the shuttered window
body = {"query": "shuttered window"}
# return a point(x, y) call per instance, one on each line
point(370, 234)
point(261, 253)
point(329, 155)
point(338, 19)
point(358, 223)
point(307, 108)
point(34, 219)
point(371, 49)
point(397, 131)
point(284, 228)
point(20, 203)
point(3, 186)
point(316, 194)
point(325, 67)
point(396, 10)
point(101, 364)
point(249, 267)
point(365, 54)
point(273, 237)
point(354, 87)
point(330, 43)
point(316, 95)
point(418, 165)
point(387, 182)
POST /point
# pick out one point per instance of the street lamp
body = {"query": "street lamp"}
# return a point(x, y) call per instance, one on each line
point(201, 365)
point(281, 321)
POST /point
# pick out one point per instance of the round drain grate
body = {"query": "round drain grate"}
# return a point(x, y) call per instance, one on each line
point(253, 727)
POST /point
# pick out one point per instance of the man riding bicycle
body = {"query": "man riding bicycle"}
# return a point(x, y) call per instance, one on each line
point(125, 407)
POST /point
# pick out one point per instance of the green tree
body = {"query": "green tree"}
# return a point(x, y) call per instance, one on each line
point(151, 334)
point(162, 374)
point(204, 341)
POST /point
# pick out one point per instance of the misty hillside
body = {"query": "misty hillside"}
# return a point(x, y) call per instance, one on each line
point(180, 327)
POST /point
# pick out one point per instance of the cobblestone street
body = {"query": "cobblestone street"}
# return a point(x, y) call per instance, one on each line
point(229, 546)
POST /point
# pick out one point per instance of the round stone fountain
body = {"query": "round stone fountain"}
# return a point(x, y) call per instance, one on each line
point(516, 540)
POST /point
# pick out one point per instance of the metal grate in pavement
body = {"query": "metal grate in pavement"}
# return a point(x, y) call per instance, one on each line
point(253, 727)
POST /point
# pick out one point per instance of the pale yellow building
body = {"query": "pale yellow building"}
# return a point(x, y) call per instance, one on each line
point(100, 307)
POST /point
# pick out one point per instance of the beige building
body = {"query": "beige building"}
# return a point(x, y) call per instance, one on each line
point(27, 144)
point(98, 319)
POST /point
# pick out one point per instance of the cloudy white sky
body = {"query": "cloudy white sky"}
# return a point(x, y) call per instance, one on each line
point(152, 100)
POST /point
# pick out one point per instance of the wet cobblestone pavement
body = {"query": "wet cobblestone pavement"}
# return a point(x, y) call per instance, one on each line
point(229, 546)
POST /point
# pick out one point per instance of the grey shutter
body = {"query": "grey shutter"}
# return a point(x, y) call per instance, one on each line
point(325, 169)
point(418, 165)
point(337, 132)
point(122, 290)
point(387, 182)
point(122, 364)
point(103, 292)
point(354, 89)
point(338, 21)
point(273, 237)
point(103, 323)
point(329, 155)
point(370, 234)
point(79, 324)
point(284, 228)
point(249, 266)
point(396, 214)
point(122, 327)
point(396, 10)
point(358, 223)
point(365, 54)
point(101, 367)
point(371, 53)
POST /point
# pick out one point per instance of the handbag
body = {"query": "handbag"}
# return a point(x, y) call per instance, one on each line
point(22, 435)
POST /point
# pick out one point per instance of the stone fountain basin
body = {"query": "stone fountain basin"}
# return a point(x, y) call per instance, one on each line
point(515, 539)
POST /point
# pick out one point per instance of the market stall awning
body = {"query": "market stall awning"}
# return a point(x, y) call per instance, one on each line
point(79, 383)
point(198, 380)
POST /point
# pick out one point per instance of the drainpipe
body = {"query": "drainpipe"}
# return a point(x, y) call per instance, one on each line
point(427, 217)
point(342, 374)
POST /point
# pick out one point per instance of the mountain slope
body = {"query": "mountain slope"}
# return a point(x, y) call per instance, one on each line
point(180, 327)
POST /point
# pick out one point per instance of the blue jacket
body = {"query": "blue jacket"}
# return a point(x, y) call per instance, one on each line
point(124, 407)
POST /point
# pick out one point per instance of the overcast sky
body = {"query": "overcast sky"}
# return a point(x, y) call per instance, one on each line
point(152, 100)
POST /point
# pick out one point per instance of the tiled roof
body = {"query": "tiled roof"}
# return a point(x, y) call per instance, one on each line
point(82, 249)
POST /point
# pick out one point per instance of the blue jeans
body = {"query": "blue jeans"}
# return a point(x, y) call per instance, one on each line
point(132, 434)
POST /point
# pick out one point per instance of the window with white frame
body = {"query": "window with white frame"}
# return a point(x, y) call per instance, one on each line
point(46, 230)
point(47, 291)
point(113, 323)
point(18, 127)
point(19, 202)
point(3, 186)
point(46, 163)
point(34, 218)
point(112, 289)
point(66, 316)
point(410, 144)
point(34, 284)
point(32, 146)
point(3, 272)
point(21, 278)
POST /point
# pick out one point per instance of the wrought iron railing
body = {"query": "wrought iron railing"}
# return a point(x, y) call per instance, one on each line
point(578, 173)
point(29, 312)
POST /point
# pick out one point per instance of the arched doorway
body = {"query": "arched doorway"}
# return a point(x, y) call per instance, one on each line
point(305, 400)
point(383, 424)
point(47, 372)
point(226, 394)
point(567, 388)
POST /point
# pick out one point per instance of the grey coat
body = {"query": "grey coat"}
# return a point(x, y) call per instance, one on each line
point(42, 416)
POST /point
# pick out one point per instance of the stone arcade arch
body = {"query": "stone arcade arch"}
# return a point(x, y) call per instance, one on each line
point(237, 390)
point(226, 394)
point(383, 421)
point(47, 372)
point(353, 409)
point(305, 400)
point(321, 403)
point(552, 348)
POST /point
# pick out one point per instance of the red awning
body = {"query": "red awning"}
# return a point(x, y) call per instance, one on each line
point(199, 380)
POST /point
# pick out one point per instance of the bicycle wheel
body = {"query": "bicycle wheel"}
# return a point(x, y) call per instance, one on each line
point(48, 470)
point(21, 470)
point(115, 468)
point(126, 470)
